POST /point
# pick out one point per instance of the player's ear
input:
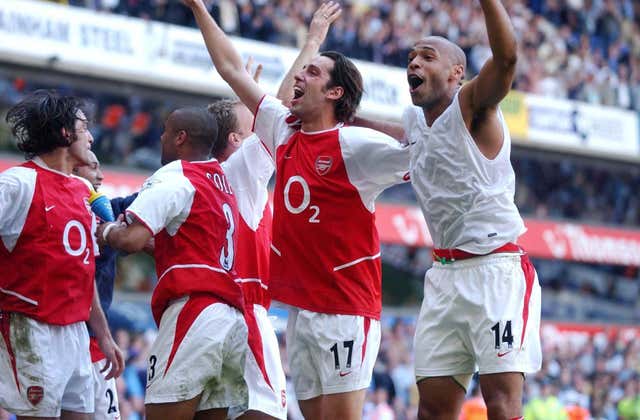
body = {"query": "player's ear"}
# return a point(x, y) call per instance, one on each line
point(335, 93)
point(181, 137)
point(234, 139)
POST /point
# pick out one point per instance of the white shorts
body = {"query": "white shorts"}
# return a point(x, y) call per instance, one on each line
point(200, 349)
point(269, 398)
point(330, 354)
point(44, 368)
point(106, 404)
point(480, 314)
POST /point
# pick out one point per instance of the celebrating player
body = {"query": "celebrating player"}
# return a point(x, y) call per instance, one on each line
point(197, 360)
point(481, 297)
point(325, 260)
point(46, 227)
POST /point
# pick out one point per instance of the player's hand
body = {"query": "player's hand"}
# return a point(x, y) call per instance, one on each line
point(326, 14)
point(192, 4)
point(114, 363)
point(255, 74)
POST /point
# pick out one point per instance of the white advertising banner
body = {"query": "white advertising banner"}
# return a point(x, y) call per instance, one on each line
point(109, 46)
point(582, 127)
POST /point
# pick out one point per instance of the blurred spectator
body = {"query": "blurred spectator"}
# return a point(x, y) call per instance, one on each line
point(580, 49)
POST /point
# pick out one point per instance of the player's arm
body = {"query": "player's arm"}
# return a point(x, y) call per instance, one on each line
point(493, 82)
point(225, 58)
point(128, 238)
point(98, 324)
point(322, 19)
point(392, 129)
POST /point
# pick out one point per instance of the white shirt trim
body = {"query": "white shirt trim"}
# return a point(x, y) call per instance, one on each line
point(264, 286)
point(19, 296)
point(354, 262)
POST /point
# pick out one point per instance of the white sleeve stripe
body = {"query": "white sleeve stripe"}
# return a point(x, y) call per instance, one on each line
point(358, 261)
point(264, 286)
point(276, 250)
point(19, 296)
point(179, 266)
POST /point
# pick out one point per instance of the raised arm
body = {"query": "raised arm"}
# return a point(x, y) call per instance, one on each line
point(326, 14)
point(494, 80)
point(225, 58)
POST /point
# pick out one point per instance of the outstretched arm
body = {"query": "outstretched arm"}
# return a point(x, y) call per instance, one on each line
point(392, 129)
point(326, 14)
point(494, 80)
point(225, 58)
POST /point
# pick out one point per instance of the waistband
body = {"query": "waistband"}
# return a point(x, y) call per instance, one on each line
point(448, 256)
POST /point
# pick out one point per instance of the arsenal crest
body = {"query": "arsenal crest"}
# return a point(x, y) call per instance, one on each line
point(35, 394)
point(323, 164)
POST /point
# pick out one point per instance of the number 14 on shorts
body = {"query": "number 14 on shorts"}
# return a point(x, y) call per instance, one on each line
point(502, 335)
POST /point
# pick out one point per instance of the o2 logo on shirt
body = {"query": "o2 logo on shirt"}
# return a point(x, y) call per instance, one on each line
point(73, 226)
point(306, 199)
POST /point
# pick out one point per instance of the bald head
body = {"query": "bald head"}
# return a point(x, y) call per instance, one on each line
point(446, 48)
point(199, 125)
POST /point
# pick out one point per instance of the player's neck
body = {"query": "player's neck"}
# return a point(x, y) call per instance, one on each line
point(321, 123)
point(434, 110)
point(59, 160)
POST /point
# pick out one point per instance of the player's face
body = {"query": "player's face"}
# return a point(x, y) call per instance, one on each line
point(309, 90)
point(81, 146)
point(169, 152)
point(427, 73)
point(91, 172)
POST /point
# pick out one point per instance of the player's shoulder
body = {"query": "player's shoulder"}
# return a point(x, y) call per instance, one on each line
point(170, 173)
point(82, 181)
point(17, 174)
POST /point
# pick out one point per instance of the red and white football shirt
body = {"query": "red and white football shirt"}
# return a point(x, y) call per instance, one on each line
point(249, 170)
point(326, 251)
point(191, 210)
point(46, 227)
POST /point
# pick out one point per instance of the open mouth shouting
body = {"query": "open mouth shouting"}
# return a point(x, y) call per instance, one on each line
point(298, 93)
point(414, 82)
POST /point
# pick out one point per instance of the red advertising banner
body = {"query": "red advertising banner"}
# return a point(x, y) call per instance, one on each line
point(405, 225)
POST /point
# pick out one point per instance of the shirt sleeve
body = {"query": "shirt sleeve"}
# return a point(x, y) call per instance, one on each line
point(374, 161)
point(249, 170)
point(164, 200)
point(270, 123)
point(17, 186)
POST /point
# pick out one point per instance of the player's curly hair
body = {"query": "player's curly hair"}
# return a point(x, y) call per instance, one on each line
point(346, 75)
point(37, 122)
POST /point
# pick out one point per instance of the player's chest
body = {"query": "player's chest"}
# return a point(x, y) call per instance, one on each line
point(318, 160)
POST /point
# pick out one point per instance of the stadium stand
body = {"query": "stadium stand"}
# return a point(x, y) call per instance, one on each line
point(585, 50)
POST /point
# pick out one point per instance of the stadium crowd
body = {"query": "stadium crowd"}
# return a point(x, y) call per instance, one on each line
point(583, 374)
point(587, 50)
point(127, 132)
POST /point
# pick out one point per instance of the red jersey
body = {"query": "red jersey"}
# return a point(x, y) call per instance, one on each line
point(326, 251)
point(191, 210)
point(48, 248)
point(249, 169)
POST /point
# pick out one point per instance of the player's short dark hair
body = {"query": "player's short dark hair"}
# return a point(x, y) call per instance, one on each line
point(346, 75)
point(37, 122)
point(200, 126)
point(225, 115)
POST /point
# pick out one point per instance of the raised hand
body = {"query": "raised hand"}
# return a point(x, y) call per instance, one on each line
point(249, 67)
point(322, 19)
